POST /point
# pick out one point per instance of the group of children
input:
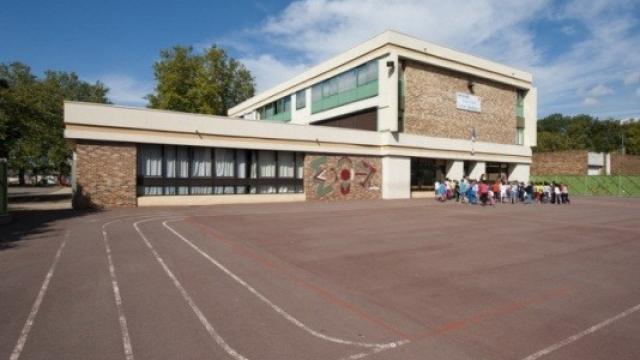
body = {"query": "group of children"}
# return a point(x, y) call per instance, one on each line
point(487, 193)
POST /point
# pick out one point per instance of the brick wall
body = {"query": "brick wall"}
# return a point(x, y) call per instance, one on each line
point(430, 106)
point(625, 165)
point(573, 162)
point(105, 175)
point(342, 177)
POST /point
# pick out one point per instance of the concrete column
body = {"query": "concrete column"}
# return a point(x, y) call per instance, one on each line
point(455, 169)
point(531, 117)
point(477, 169)
point(388, 93)
point(519, 172)
point(396, 177)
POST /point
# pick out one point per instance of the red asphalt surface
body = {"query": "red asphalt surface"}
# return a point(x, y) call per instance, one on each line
point(411, 279)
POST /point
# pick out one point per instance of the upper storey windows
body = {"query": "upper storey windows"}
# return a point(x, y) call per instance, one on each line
point(353, 85)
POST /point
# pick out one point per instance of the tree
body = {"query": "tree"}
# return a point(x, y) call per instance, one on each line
point(584, 132)
point(31, 117)
point(208, 83)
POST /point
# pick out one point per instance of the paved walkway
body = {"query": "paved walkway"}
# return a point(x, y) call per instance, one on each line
point(350, 280)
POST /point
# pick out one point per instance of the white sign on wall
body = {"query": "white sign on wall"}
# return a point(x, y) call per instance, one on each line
point(467, 102)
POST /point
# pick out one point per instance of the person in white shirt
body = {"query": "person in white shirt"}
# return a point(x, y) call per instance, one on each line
point(558, 194)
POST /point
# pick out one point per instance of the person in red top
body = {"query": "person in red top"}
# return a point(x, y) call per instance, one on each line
point(496, 189)
point(483, 190)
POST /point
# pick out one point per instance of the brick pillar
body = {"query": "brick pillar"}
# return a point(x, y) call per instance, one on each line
point(105, 175)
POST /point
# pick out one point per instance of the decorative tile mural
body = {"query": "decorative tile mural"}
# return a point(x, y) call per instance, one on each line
point(333, 177)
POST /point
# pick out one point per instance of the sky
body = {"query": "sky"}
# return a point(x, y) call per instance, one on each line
point(584, 55)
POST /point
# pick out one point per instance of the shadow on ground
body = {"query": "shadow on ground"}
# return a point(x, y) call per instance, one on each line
point(34, 224)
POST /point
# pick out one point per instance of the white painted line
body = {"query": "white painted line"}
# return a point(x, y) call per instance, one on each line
point(17, 350)
point(124, 330)
point(374, 351)
point(185, 295)
point(273, 306)
point(579, 335)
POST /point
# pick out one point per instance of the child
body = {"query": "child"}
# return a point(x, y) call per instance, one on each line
point(483, 190)
point(492, 198)
point(546, 193)
point(496, 189)
point(463, 187)
point(558, 193)
point(565, 194)
point(514, 192)
point(503, 191)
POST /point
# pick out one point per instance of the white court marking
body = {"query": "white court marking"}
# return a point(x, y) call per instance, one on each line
point(275, 307)
point(581, 334)
point(185, 295)
point(17, 350)
point(126, 339)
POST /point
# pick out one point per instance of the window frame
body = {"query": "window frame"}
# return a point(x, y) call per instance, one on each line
point(241, 185)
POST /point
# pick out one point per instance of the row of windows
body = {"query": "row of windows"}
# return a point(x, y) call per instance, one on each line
point(277, 110)
point(183, 170)
point(353, 85)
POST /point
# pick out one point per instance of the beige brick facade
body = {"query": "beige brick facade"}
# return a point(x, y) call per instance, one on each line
point(430, 106)
point(342, 177)
point(625, 164)
point(574, 162)
point(105, 175)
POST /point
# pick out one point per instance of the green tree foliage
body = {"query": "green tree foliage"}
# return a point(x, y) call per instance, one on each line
point(557, 132)
point(31, 117)
point(208, 83)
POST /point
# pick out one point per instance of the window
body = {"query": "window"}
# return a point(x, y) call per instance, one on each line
point(520, 136)
point(279, 110)
point(301, 99)
point(182, 170)
point(520, 117)
point(353, 85)
point(150, 166)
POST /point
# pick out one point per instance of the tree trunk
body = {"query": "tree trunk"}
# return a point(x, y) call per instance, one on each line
point(21, 174)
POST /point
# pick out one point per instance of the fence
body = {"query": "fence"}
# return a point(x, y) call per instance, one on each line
point(597, 185)
point(3, 186)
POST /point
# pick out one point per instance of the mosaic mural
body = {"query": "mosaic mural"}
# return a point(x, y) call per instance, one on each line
point(344, 177)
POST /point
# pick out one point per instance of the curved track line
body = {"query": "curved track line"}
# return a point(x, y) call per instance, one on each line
point(185, 295)
point(273, 306)
point(24, 334)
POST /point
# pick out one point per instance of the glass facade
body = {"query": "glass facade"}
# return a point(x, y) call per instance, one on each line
point(301, 99)
point(279, 110)
point(186, 170)
point(353, 85)
point(497, 171)
point(425, 172)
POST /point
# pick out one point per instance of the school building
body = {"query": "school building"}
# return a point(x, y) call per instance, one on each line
point(384, 119)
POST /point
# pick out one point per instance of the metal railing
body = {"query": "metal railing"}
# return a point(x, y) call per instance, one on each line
point(596, 185)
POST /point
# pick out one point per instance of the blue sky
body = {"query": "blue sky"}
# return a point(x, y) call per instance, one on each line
point(584, 55)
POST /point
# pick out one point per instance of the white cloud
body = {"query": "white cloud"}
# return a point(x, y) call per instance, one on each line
point(307, 32)
point(590, 101)
point(632, 78)
point(600, 90)
point(269, 72)
point(125, 90)
point(638, 92)
point(321, 28)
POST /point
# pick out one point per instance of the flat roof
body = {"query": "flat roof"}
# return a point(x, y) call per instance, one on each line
point(104, 122)
point(387, 38)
